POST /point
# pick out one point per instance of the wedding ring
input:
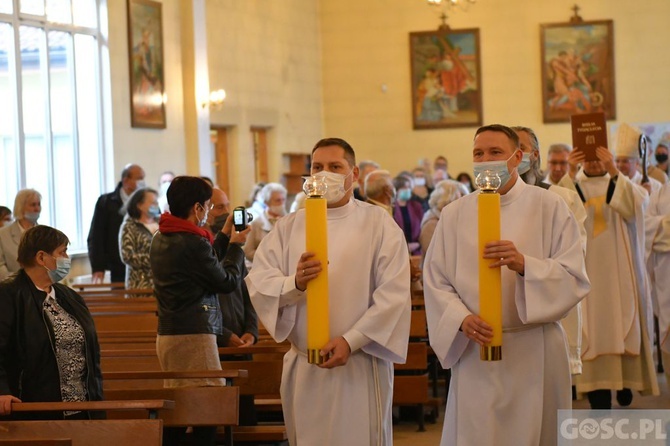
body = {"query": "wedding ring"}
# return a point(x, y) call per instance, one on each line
point(303, 272)
point(474, 332)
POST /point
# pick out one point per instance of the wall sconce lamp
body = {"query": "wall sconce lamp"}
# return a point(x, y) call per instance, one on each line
point(215, 100)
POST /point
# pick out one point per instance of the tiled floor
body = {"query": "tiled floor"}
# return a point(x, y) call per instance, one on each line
point(405, 434)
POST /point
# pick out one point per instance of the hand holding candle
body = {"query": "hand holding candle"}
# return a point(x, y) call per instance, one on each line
point(316, 238)
point(490, 284)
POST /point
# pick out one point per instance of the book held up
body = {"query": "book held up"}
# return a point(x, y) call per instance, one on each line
point(589, 131)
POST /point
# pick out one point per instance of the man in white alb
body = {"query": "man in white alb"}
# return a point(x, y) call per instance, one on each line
point(348, 399)
point(529, 171)
point(616, 346)
point(513, 401)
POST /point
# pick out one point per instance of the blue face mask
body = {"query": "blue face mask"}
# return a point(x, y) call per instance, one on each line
point(525, 164)
point(61, 271)
point(154, 212)
point(404, 194)
point(497, 167)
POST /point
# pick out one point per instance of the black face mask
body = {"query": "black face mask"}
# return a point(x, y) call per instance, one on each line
point(661, 157)
point(218, 223)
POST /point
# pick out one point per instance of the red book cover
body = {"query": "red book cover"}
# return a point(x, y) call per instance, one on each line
point(589, 130)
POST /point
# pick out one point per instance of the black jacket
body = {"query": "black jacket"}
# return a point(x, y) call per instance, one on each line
point(239, 316)
point(188, 273)
point(28, 366)
point(103, 237)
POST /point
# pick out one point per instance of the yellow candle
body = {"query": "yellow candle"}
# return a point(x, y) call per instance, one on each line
point(318, 331)
point(490, 286)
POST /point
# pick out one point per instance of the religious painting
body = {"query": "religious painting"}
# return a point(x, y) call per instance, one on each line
point(446, 79)
point(577, 69)
point(147, 82)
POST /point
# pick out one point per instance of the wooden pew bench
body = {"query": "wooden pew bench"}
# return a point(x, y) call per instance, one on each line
point(142, 432)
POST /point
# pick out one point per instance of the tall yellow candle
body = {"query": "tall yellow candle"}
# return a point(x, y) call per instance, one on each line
point(318, 330)
point(490, 286)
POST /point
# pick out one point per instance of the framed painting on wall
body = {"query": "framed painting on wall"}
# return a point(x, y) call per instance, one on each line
point(577, 69)
point(147, 76)
point(446, 78)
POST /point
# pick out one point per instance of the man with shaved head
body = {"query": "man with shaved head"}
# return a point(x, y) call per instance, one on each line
point(103, 237)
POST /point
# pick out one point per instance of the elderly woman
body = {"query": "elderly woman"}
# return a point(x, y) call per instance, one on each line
point(273, 196)
point(135, 235)
point(445, 192)
point(189, 268)
point(48, 344)
point(27, 208)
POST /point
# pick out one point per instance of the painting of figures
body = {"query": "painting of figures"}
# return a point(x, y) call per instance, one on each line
point(446, 79)
point(577, 70)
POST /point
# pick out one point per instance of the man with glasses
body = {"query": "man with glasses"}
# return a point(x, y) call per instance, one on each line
point(557, 164)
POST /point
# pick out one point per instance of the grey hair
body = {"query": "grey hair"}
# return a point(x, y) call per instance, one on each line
point(445, 192)
point(367, 163)
point(21, 199)
point(266, 193)
point(375, 182)
point(559, 148)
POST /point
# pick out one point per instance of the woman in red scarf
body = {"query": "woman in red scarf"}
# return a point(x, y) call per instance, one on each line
point(189, 268)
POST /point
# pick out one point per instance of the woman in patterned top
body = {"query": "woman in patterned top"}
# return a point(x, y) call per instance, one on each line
point(137, 230)
point(48, 345)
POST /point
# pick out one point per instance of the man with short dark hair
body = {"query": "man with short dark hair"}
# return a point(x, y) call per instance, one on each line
point(103, 237)
point(543, 277)
point(368, 276)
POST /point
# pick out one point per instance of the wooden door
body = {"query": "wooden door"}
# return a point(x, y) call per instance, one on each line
point(219, 138)
point(260, 146)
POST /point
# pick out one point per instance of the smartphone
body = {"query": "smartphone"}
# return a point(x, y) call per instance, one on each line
point(240, 218)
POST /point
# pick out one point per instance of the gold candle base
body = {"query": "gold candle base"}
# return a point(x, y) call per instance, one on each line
point(490, 353)
point(314, 356)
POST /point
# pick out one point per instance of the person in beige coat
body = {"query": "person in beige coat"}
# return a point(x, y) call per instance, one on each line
point(27, 208)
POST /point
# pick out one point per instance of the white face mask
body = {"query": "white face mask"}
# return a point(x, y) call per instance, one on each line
point(335, 182)
point(278, 210)
point(420, 181)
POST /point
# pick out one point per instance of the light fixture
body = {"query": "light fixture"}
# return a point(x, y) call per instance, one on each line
point(448, 6)
point(215, 99)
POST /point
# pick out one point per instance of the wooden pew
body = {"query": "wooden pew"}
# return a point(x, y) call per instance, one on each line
point(121, 318)
point(144, 432)
point(37, 442)
point(152, 405)
point(263, 380)
point(194, 406)
point(85, 432)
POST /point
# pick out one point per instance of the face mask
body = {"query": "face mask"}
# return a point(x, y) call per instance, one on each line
point(661, 157)
point(467, 186)
point(335, 182)
point(499, 167)
point(203, 222)
point(419, 182)
point(218, 223)
point(140, 184)
point(163, 189)
point(154, 212)
point(525, 164)
point(61, 271)
point(278, 210)
point(404, 194)
point(32, 216)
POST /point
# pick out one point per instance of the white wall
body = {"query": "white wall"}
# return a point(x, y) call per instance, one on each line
point(366, 45)
point(267, 56)
point(156, 150)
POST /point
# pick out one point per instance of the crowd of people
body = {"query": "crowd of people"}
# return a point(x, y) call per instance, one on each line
point(583, 257)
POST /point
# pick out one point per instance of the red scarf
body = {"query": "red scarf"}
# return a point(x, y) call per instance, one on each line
point(170, 224)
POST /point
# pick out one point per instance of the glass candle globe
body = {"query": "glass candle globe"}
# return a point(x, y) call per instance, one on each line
point(315, 186)
point(488, 181)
